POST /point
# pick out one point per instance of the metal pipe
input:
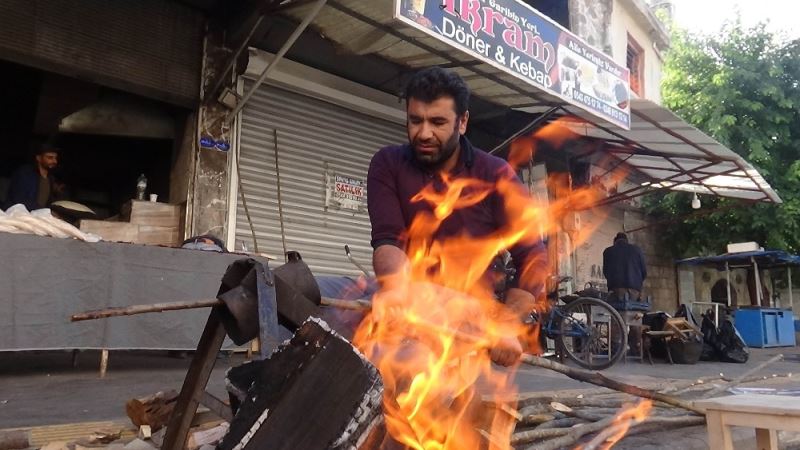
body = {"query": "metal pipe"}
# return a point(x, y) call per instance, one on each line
point(789, 279)
point(544, 116)
point(235, 56)
point(728, 281)
point(757, 276)
point(278, 57)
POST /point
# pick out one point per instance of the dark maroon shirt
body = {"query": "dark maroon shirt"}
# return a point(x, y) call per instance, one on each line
point(395, 177)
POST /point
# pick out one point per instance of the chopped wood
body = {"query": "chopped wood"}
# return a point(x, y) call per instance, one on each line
point(740, 379)
point(526, 437)
point(568, 440)
point(14, 439)
point(314, 391)
point(563, 422)
point(104, 436)
point(145, 432)
point(153, 410)
point(536, 419)
point(200, 436)
point(599, 379)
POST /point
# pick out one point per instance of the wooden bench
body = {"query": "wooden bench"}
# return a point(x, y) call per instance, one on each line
point(766, 413)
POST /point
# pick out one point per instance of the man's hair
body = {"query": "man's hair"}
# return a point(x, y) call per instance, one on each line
point(47, 147)
point(620, 236)
point(432, 83)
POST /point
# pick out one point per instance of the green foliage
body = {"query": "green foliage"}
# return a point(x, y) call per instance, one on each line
point(742, 87)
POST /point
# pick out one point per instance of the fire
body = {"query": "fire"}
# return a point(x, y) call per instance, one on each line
point(622, 422)
point(428, 335)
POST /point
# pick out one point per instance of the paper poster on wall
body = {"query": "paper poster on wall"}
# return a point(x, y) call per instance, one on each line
point(345, 192)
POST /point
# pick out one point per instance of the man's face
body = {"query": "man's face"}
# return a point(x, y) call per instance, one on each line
point(47, 160)
point(434, 129)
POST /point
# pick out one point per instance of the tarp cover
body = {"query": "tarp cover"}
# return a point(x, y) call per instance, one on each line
point(764, 259)
point(43, 281)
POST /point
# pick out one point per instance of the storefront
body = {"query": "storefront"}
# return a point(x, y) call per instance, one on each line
point(536, 79)
point(111, 86)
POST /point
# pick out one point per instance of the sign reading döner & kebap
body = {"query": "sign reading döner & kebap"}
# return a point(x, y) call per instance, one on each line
point(521, 41)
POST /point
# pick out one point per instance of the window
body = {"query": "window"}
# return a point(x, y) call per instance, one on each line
point(634, 60)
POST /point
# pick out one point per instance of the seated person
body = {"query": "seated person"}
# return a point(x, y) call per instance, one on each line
point(34, 185)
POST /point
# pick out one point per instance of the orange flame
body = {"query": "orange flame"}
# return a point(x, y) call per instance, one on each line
point(428, 335)
point(622, 422)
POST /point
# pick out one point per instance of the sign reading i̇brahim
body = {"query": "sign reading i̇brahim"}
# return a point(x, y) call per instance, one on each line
point(523, 42)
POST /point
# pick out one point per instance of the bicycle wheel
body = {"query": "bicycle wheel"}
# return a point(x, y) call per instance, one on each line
point(592, 333)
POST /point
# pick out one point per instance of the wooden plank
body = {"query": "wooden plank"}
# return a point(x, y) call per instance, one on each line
point(111, 231)
point(152, 213)
point(130, 232)
point(312, 389)
point(755, 403)
point(195, 382)
point(766, 439)
point(719, 435)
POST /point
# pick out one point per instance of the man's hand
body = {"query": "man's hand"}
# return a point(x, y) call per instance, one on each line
point(520, 301)
point(506, 351)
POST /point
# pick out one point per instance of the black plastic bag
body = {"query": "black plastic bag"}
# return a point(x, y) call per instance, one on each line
point(732, 347)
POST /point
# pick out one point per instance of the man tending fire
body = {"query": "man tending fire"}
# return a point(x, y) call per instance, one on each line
point(442, 211)
point(437, 117)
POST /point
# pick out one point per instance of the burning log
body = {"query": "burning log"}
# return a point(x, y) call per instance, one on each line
point(315, 391)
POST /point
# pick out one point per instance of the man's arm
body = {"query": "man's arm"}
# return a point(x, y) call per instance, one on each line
point(386, 216)
point(388, 260)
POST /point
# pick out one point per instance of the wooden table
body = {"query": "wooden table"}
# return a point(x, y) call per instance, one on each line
point(766, 413)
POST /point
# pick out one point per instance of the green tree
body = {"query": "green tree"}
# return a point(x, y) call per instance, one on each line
point(741, 86)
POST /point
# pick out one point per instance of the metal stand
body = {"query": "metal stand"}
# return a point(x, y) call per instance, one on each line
point(194, 385)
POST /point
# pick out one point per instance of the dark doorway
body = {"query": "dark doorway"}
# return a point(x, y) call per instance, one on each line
point(719, 293)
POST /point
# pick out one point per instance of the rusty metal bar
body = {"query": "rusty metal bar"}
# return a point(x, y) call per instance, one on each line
point(278, 57)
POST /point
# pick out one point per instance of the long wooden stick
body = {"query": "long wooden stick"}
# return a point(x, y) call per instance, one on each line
point(356, 305)
point(722, 388)
point(600, 380)
point(141, 309)
point(569, 439)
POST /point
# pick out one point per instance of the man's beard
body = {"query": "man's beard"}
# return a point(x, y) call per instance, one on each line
point(446, 150)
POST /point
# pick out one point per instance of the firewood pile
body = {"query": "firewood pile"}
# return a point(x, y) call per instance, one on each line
point(592, 418)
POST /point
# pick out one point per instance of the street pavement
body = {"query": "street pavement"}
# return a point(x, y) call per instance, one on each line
point(43, 388)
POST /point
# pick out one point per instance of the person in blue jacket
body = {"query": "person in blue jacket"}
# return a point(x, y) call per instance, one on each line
point(34, 185)
point(624, 268)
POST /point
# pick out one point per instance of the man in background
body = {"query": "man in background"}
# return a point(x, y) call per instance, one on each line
point(624, 268)
point(34, 185)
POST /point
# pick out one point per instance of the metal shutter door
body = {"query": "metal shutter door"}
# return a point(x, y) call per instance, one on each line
point(312, 135)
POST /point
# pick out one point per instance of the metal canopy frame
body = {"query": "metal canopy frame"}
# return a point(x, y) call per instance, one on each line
point(695, 168)
point(660, 150)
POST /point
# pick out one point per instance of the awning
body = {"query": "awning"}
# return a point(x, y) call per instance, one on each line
point(660, 150)
point(765, 259)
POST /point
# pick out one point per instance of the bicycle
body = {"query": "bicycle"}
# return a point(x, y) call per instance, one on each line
point(585, 329)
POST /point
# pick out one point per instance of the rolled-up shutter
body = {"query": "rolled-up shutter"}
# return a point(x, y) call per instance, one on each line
point(314, 138)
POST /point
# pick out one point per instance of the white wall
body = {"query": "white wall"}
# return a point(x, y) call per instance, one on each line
point(623, 21)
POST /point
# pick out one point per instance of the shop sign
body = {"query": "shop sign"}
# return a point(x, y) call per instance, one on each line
point(345, 193)
point(523, 42)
